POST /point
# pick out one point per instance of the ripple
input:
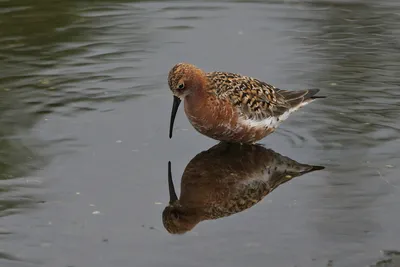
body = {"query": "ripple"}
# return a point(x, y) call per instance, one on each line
point(189, 18)
point(193, 8)
point(177, 27)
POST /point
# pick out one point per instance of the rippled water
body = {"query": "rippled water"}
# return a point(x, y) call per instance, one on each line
point(84, 142)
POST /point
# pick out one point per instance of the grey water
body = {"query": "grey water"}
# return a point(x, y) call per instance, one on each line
point(84, 114)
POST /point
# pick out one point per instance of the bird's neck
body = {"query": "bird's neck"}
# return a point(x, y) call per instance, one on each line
point(197, 99)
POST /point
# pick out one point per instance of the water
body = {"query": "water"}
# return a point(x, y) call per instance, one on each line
point(84, 141)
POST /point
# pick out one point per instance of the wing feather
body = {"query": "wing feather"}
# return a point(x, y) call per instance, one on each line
point(254, 99)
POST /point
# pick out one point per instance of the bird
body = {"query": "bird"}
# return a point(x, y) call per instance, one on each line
point(232, 107)
point(224, 180)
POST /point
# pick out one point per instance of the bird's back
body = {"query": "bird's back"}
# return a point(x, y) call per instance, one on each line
point(256, 99)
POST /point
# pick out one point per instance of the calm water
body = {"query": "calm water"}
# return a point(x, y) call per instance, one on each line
point(84, 142)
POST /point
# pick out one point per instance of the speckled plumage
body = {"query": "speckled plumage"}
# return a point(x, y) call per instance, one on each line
point(233, 107)
point(255, 99)
point(227, 179)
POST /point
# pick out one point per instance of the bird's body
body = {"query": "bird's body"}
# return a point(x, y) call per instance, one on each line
point(232, 107)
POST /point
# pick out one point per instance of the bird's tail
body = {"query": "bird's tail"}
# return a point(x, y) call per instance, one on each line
point(296, 168)
point(299, 98)
point(312, 168)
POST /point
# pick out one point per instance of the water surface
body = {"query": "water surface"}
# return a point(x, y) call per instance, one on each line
point(84, 141)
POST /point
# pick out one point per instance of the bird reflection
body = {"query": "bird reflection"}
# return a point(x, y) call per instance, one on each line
point(224, 180)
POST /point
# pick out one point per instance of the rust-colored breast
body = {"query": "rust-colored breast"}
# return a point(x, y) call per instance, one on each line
point(219, 119)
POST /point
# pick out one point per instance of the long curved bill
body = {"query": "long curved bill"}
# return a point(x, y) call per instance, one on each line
point(175, 107)
point(172, 195)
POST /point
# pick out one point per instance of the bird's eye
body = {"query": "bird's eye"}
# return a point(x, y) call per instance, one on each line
point(175, 215)
point(181, 86)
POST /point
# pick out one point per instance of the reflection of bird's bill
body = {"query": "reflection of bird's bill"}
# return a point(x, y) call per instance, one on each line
point(172, 194)
point(175, 106)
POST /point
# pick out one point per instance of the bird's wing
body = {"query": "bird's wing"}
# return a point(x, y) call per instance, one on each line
point(255, 99)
